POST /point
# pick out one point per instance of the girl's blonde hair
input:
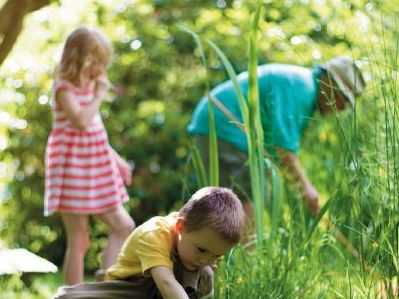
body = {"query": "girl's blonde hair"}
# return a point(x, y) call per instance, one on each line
point(83, 47)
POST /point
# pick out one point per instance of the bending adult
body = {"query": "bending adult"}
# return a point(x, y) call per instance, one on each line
point(289, 95)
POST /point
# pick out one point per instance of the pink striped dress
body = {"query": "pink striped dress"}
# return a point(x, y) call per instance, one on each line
point(81, 173)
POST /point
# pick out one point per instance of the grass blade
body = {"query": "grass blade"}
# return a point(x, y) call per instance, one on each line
point(213, 145)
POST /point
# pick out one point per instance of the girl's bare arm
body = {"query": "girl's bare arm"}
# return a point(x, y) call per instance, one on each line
point(80, 117)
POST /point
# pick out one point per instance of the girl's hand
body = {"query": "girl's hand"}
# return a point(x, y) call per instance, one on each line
point(125, 171)
point(101, 87)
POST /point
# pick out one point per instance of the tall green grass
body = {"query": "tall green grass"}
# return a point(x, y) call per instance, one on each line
point(30, 285)
point(382, 231)
point(252, 126)
point(213, 145)
point(355, 254)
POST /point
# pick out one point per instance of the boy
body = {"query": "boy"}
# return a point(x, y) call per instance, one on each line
point(170, 257)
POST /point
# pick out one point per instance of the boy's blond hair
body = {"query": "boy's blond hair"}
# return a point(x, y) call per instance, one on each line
point(83, 47)
point(217, 208)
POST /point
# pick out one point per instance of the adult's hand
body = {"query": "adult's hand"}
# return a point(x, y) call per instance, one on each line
point(291, 163)
point(310, 197)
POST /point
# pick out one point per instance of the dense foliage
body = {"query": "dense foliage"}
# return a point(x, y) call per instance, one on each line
point(352, 159)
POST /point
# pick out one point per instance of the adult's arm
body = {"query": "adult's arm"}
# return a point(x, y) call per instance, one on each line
point(167, 284)
point(295, 172)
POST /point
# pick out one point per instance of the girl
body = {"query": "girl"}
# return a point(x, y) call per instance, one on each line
point(83, 173)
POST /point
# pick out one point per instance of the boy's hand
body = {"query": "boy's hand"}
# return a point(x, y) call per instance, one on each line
point(206, 283)
point(215, 264)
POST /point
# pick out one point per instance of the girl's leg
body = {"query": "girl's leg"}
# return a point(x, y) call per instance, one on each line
point(121, 225)
point(77, 231)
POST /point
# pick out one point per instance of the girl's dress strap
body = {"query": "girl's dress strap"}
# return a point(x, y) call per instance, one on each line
point(62, 85)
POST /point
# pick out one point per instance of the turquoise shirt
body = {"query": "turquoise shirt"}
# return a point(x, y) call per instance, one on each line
point(287, 98)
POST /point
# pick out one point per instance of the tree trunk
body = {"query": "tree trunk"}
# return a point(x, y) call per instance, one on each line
point(12, 16)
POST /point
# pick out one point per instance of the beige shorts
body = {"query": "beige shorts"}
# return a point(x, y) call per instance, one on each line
point(233, 164)
point(197, 284)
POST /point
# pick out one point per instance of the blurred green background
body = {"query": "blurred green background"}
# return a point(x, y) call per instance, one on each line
point(346, 156)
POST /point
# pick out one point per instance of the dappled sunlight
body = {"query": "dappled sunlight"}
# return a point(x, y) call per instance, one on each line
point(157, 68)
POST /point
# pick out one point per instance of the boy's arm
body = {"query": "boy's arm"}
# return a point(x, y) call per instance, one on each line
point(167, 284)
point(293, 167)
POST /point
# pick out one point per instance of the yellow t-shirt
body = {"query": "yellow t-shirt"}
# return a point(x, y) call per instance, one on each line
point(149, 245)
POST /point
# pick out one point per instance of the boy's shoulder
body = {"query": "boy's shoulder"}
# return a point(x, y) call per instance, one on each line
point(157, 225)
point(155, 235)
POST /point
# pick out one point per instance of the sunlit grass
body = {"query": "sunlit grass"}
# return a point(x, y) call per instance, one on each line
point(32, 285)
point(29, 286)
point(351, 250)
point(354, 161)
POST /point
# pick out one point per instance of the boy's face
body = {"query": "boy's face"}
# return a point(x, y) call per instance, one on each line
point(199, 248)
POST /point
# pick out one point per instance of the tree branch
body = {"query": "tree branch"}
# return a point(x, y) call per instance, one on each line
point(12, 16)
